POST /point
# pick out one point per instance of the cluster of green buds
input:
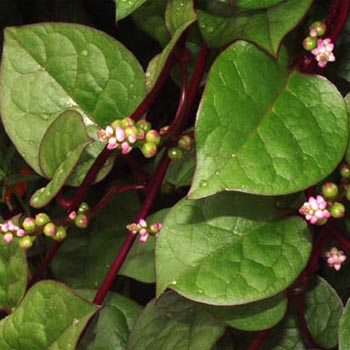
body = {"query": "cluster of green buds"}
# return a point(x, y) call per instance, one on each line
point(30, 227)
point(184, 144)
point(322, 49)
point(144, 230)
point(127, 134)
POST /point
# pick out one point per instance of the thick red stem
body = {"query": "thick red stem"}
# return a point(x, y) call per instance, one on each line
point(154, 187)
point(338, 23)
point(258, 339)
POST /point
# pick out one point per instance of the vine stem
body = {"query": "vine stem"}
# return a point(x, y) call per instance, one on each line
point(154, 187)
point(258, 339)
point(339, 21)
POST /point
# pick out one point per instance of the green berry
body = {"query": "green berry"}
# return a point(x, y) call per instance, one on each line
point(153, 136)
point(144, 125)
point(50, 229)
point(127, 122)
point(81, 221)
point(185, 142)
point(61, 234)
point(84, 207)
point(25, 242)
point(345, 171)
point(337, 210)
point(309, 43)
point(41, 219)
point(29, 224)
point(149, 149)
point(131, 130)
point(321, 222)
point(116, 123)
point(329, 190)
point(319, 26)
point(347, 193)
point(175, 153)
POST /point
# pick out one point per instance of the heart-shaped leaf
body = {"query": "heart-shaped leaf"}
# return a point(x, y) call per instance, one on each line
point(13, 274)
point(256, 119)
point(221, 24)
point(174, 323)
point(344, 328)
point(253, 316)
point(229, 249)
point(254, 4)
point(63, 66)
point(125, 8)
point(50, 317)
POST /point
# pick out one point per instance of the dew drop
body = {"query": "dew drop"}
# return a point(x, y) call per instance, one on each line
point(31, 142)
point(210, 29)
point(131, 86)
point(202, 26)
point(203, 183)
point(217, 173)
point(75, 321)
point(181, 4)
point(174, 282)
point(200, 291)
point(84, 52)
point(45, 116)
point(233, 155)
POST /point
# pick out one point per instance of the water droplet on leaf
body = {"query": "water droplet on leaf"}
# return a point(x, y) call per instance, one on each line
point(84, 52)
point(203, 183)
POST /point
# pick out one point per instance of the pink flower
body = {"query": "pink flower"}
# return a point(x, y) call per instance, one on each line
point(315, 210)
point(119, 134)
point(126, 148)
point(335, 258)
point(8, 237)
point(324, 52)
point(112, 143)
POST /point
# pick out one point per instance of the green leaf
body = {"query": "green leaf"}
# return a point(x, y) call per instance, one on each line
point(174, 323)
point(150, 19)
point(286, 336)
point(222, 24)
point(45, 194)
point(139, 263)
point(157, 64)
point(63, 66)
point(323, 309)
point(111, 327)
point(124, 7)
point(50, 317)
point(253, 316)
point(254, 4)
point(347, 102)
point(179, 12)
point(248, 137)
point(86, 256)
point(229, 249)
point(344, 328)
point(13, 274)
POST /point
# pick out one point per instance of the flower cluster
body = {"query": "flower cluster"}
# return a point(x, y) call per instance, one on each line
point(322, 49)
point(184, 144)
point(315, 210)
point(144, 230)
point(9, 230)
point(126, 134)
point(335, 258)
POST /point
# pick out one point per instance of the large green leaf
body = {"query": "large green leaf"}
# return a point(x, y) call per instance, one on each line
point(50, 317)
point(256, 119)
point(254, 4)
point(344, 328)
point(229, 249)
point(174, 323)
point(86, 256)
point(222, 24)
point(139, 263)
point(63, 66)
point(323, 309)
point(253, 316)
point(125, 7)
point(111, 327)
point(177, 13)
point(13, 274)
point(347, 102)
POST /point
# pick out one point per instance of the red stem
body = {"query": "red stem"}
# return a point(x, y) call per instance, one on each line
point(155, 185)
point(112, 192)
point(332, 13)
point(342, 12)
point(258, 339)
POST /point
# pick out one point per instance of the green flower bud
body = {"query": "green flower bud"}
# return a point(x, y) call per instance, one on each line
point(81, 221)
point(29, 224)
point(50, 229)
point(25, 242)
point(41, 219)
point(61, 234)
point(319, 27)
point(329, 190)
point(345, 171)
point(127, 122)
point(309, 43)
point(144, 125)
point(337, 210)
point(347, 193)
point(84, 207)
point(153, 136)
point(149, 149)
point(185, 142)
point(321, 222)
point(175, 153)
point(116, 123)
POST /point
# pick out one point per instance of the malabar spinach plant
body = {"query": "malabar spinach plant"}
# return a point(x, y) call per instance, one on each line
point(181, 184)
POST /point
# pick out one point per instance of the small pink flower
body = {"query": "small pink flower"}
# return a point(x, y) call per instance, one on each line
point(112, 143)
point(119, 134)
point(126, 148)
point(143, 235)
point(72, 215)
point(101, 134)
point(132, 138)
point(20, 232)
point(335, 258)
point(4, 227)
point(109, 131)
point(324, 52)
point(133, 228)
point(8, 237)
point(313, 32)
point(315, 210)
point(143, 223)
